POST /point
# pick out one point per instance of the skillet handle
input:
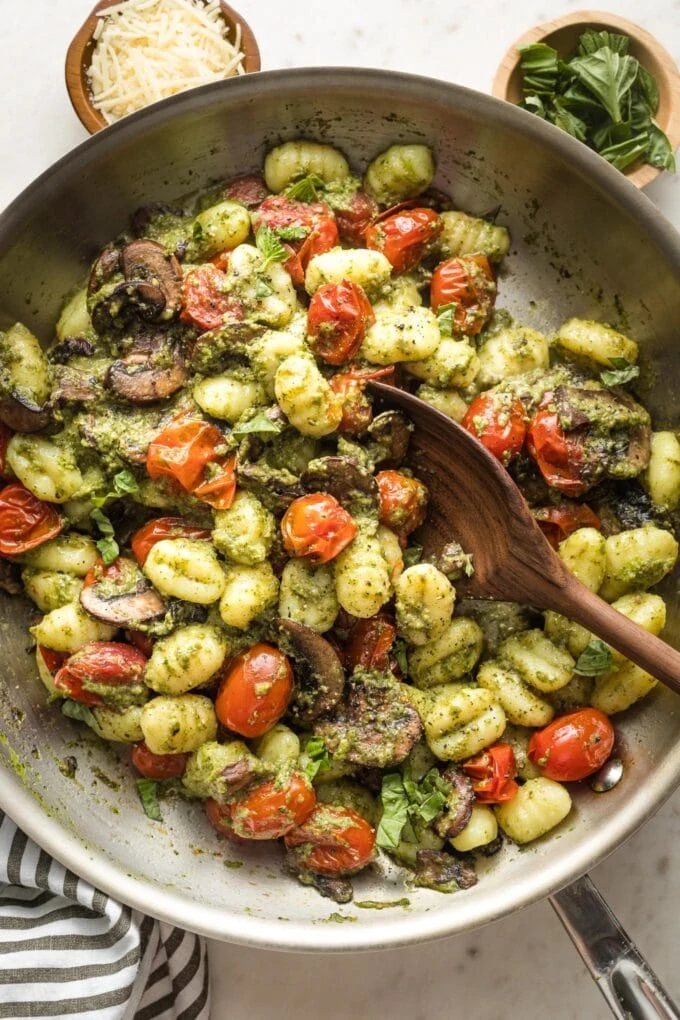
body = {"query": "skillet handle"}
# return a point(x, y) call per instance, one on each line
point(630, 987)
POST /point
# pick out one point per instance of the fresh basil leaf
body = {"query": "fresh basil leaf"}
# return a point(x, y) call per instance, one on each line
point(319, 758)
point(270, 247)
point(619, 376)
point(619, 363)
point(107, 545)
point(577, 99)
point(569, 122)
point(591, 42)
point(608, 75)
point(539, 58)
point(445, 318)
point(535, 105)
point(258, 423)
point(76, 710)
point(125, 483)
point(292, 233)
point(412, 555)
point(147, 790)
point(595, 660)
point(659, 152)
point(306, 189)
point(625, 153)
point(399, 652)
point(430, 797)
point(395, 811)
point(649, 89)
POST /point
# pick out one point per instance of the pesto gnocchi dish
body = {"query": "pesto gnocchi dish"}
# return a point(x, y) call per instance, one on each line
point(219, 530)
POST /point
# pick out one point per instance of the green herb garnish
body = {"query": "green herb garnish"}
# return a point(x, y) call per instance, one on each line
point(292, 233)
point(319, 758)
point(395, 811)
point(270, 247)
point(621, 372)
point(595, 660)
point(601, 95)
point(412, 555)
point(258, 423)
point(404, 800)
point(147, 789)
point(306, 189)
point(76, 710)
point(445, 318)
point(107, 545)
point(399, 652)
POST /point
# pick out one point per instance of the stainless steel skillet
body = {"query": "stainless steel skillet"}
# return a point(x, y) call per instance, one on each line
point(585, 243)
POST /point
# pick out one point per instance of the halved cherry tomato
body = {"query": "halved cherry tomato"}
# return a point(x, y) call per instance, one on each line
point(122, 574)
point(158, 766)
point(403, 501)
point(558, 522)
point(357, 410)
point(219, 816)
point(352, 222)
point(498, 421)
point(558, 457)
point(25, 520)
point(184, 450)
point(207, 302)
point(141, 641)
point(572, 746)
point(279, 212)
point(273, 808)
point(99, 669)
point(53, 660)
point(316, 528)
point(468, 283)
point(339, 315)
point(333, 841)
point(219, 491)
point(145, 538)
point(5, 436)
point(255, 691)
point(404, 237)
point(370, 643)
point(493, 772)
point(250, 190)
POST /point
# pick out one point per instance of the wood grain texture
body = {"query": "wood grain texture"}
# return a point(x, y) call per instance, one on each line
point(474, 501)
point(79, 57)
point(563, 34)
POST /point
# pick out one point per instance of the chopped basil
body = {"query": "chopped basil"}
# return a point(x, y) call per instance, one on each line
point(147, 790)
point(622, 372)
point(404, 799)
point(595, 660)
point(258, 423)
point(395, 811)
point(292, 233)
point(320, 759)
point(306, 189)
point(445, 318)
point(270, 247)
point(412, 555)
point(76, 710)
point(399, 651)
point(107, 545)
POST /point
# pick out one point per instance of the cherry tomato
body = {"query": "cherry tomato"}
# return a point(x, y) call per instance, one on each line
point(219, 816)
point(370, 643)
point(403, 501)
point(493, 772)
point(158, 766)
point(142, 642)
point(25, 520)
point(273, 808)
point(146, 537)
point(184, 450)
point(279, 212)
point(219, 491)
point(339, 315)
point(352, 222)
point(53, 660)
point(357, 410)
point(207, 303)
point(333, 841)
point(99, 665)
point(468, 284)
point(572, 746)
point(498, 421)
point(558, 522)
point(250, 190)
point(5, 436)
point(404, 237)
point(255, 691)
point(316, 528)
point(558, 457)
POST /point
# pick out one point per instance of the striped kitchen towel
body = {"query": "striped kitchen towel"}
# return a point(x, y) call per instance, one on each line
point(69, 951)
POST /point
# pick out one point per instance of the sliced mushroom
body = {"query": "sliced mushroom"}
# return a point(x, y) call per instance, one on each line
point(375, 724)
point(104, 268)
point(153, 370)
point(124, 599)
point(116, 307)
point(122, 433)
point(276, 489)
point(443, 872)
point(72, 384)
point(148, 261)
point(21, 415)
point(456, 814)
point(602, 410)
point(71, 347)
point(212, 350)
point(390, 435)
point(332, 888)
point(320, 678)
point(143, 217)
point(151, 288)
point(343, 478)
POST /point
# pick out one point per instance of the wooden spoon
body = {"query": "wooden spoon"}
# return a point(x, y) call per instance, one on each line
point(474, 501)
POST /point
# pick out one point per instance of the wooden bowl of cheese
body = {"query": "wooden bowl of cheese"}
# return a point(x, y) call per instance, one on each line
point(132, 53)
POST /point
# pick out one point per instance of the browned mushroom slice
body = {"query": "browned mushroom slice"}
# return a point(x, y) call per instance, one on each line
point(115, 307)
point(104, 267)
point(125, 598)
point(375, 725)
point(148, 217)
point(21, 415)
point(319, 676)
point(458, 809)
point(211, 350)
point(122, 432)
point(148, 262)
point(390, 435)
point(443, 872)
point(71, 347)
point(276, 489)
point(343, 478)
point(153, 370)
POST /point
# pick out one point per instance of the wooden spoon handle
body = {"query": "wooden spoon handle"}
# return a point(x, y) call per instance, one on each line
point(574, 600)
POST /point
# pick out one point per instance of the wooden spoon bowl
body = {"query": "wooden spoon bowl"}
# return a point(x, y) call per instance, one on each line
point(474, 501)
point(79, 58)
point(563, 35)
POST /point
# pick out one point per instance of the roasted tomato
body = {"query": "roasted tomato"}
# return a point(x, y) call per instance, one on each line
point(207, 302)
point(158, 766)
point(250, 190)
point(5, 436)
point(370, 643)
point(352, 221)
point(404, 237)
point(467, 284)
point(558, 457)
point(255, 691)
point(333, 841)
point(558, 522)
point(25, 520)
point(53, 660)
point(339, 315)
point(316, 528)
point(219, 816)
point(498, 421)
point(357, 410)
point(273, 808)
point(189, 452)
point(98, 672)
point(142, 641)
point(219, 489)
point(572, 746)
point(403, 501)
point(314, 221)
point(493, 774)
point(146, 537)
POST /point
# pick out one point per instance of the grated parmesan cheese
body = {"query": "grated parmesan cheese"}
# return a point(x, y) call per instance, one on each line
point(146, 50)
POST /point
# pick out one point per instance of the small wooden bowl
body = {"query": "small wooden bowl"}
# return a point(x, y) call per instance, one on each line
point(563, 34)
point(79, 57)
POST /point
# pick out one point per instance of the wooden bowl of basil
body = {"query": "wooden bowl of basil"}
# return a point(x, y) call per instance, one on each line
point(604, 80)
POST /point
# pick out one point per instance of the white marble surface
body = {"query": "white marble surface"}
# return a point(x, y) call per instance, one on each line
point(523, 966)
